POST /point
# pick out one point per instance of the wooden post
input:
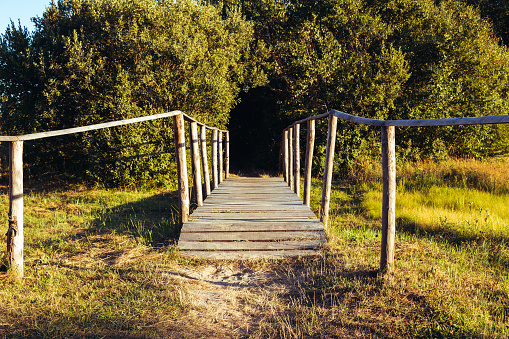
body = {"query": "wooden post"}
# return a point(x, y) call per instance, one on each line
point(15, 231)
point(204, 159)
point(220, 155)
point(310, 144)
point(290, 157)
point(180, 152)
point(389, 198)
point(213, 145)
point(195, 157)
point(227, 155)
point(296, 159)
point(286, 158)
point(327, 173)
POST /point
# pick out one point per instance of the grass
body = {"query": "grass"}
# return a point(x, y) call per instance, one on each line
point(102, 263)
point(83, 275)
point(452, 260)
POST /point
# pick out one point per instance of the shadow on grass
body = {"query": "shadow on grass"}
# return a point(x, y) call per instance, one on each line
point(152, 221)
point(355, 302)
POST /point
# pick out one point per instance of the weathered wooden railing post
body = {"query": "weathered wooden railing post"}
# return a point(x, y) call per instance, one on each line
point(389, 198)
point(204, 159)
point(290, 157)
point(213, 145)
point(286, 158)
point(220, 155)
point(310, 144)
point(329, 164)
point(195, 158)
point(296, 159)
point(15, 231)
point(227, 155)
point(180, 151)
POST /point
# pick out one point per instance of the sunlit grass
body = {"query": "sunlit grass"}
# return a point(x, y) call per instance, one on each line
point(97, 264)
point(83, 269)
point(451, 276)
point(469, 212)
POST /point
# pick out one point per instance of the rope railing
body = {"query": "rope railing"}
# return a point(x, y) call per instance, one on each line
point(199, 160)
point(291, 163)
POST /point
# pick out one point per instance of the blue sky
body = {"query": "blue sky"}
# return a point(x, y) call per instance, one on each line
point(21, 9)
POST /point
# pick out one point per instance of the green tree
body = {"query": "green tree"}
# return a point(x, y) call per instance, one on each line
point(398, 59)
point(92, 61)
point(497, 11)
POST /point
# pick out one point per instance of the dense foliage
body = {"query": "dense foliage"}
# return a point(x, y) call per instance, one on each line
point(103, 60)
point(401, 59)
point(496, 11)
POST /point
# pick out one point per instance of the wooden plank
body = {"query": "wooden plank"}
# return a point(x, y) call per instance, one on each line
point(213, 146)
point(195, 159)
point(310, 145)
point(180, 151)
point(251, 236)
point(286, 157)
point(251, 246)
point(219, 199)
point(223, 208)
point(248, 255)
point(314, 117)
point(103, 125)
point(220, 156)
point(495, 119)
point(250, 226)
point(74, 130)
point(296, 159)
point(244, 193)
point(227, 155)
point(204, 160)
point(290, 157)
point(254, 216)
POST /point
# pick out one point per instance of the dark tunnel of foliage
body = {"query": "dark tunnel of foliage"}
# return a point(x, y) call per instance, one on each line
point(253, 67)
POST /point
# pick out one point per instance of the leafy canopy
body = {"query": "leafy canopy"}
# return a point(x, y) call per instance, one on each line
point(92, 61)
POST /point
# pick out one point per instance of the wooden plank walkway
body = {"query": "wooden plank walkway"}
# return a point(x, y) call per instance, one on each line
point(248, 218)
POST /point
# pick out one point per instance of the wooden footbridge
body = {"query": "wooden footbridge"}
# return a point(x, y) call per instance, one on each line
point(244, 217)
point(248, 218)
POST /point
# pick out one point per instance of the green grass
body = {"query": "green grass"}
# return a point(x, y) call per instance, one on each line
point(83, 275)
point(97, 264)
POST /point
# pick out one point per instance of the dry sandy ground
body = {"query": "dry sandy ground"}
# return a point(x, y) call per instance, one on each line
point(227, 298)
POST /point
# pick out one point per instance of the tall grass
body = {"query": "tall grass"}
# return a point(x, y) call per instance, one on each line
point(451, 278)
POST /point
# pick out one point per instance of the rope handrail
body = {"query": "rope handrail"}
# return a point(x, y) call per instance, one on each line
point(73, 130)
point(484, 120)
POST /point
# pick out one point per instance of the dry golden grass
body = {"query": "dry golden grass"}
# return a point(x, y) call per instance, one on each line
point(99, 263)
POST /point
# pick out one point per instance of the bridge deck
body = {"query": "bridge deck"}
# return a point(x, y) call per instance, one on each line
point(252, 218)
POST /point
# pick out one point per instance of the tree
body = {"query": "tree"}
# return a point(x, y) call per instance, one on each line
point(92, 61)
point(400, 59)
